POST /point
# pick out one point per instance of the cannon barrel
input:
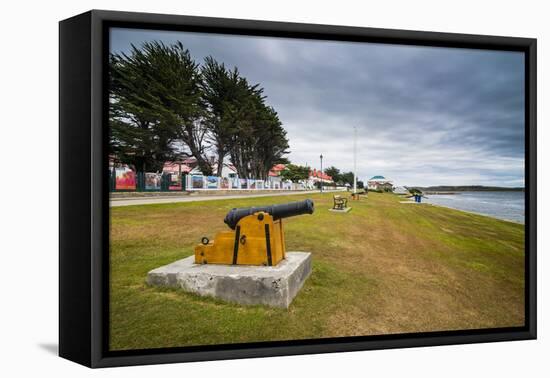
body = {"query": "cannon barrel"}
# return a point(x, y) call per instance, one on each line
point(281, 211)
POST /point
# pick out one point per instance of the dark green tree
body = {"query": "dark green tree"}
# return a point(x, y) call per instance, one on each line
point(295, 173)
point(334, 173)
point(347, 178)
point(239, 123)
point(282, 160)
point(271, 143)
point(225, 94)
point(162, 107)
point(156, 110)
point(260, 140)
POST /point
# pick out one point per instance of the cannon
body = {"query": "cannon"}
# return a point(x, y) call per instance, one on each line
point(256, 236)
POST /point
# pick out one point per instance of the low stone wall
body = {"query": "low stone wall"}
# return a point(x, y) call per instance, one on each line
point(213, 192)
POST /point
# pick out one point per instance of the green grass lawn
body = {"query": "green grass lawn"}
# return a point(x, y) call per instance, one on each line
point(383, 268)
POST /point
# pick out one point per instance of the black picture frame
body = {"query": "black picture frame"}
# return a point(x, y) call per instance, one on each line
point(84, 198)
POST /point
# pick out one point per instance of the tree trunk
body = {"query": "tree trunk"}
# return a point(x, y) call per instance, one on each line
point(204, 166)
point(221, 156)
point(196, 152)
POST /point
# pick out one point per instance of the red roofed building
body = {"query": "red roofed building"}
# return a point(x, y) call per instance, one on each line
point(316, 176)
point(274, 180)
point(176, 167)
point(276, 170)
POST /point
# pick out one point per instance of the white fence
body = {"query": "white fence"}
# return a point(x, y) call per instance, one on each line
point(200, 182)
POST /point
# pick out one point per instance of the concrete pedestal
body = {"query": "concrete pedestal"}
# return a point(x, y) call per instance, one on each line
point(344, 210)
point(274, 286)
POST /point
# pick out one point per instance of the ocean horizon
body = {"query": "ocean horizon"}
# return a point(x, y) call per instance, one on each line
point(505, 205)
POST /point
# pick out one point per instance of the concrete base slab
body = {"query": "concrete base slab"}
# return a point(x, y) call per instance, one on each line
point(344, 210)
point(274, 286)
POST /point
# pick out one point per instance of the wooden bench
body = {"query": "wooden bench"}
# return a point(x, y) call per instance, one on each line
point(340, 203)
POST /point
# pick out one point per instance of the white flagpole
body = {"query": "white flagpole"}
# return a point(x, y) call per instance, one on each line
point(355, 159)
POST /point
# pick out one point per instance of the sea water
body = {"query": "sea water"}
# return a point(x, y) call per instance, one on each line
point(503, 204)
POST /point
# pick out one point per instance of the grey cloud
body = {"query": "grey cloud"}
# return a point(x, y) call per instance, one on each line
point(425, 115)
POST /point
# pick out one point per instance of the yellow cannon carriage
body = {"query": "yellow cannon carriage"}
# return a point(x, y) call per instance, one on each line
point(257, 236)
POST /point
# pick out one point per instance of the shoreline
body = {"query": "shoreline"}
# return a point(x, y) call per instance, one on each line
point(440, 193)
point(475, 213)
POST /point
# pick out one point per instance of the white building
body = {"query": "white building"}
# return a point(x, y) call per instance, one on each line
point(380, 183)
point(318, 176)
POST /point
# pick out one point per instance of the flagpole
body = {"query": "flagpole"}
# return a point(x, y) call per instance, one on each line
point(355, 159)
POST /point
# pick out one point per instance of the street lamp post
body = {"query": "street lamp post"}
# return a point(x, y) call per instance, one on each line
point(321, 182)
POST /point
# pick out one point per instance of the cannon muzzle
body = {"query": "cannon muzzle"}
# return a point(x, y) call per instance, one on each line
point(281, 211)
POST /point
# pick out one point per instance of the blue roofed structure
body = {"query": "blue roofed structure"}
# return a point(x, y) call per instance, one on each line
point(380, 183)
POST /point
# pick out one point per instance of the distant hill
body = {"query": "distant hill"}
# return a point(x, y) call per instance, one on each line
point(465, 188)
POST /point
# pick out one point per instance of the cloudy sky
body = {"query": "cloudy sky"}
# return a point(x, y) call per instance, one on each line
point(424, 115)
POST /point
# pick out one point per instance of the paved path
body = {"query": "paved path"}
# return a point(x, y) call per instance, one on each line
point(193, 198)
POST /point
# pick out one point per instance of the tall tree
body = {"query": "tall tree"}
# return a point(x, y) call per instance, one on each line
point(295, 173)
point(260, 141)
point(225, 94)
point(164, 107)
point(271, 143)
point(347, 178)
point(334, 173)
point(239, 122)
point(156, 107)
point(137, 135)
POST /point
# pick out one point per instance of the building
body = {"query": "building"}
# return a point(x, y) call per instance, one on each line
point(185, 166)
point(176, 167)
point(380, 183)
point(276, 170)
point(228, 170)
point(190, 166)
point(316, 176)
point(274, 180)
